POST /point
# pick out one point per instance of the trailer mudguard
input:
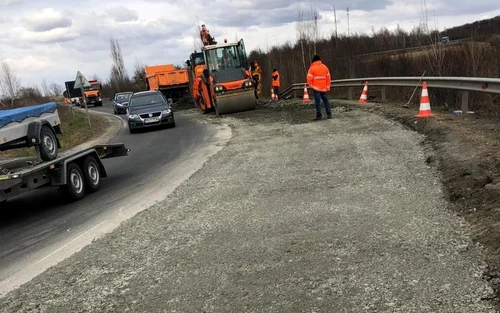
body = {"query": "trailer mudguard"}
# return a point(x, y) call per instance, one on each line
point(34, 129)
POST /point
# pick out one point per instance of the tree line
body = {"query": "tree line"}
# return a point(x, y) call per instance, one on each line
point(473, 50)
point(14, 94)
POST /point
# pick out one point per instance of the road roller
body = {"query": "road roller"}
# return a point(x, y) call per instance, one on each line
point(230, 86)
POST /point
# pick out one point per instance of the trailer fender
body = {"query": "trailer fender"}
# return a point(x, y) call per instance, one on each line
point(59, 175)
point(34, 129)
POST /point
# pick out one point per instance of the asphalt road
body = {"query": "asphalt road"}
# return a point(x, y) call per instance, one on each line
point(38, 229)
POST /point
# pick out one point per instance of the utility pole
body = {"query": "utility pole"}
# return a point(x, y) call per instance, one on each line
point(335, 17)
point(315, 30)
point(348, 26)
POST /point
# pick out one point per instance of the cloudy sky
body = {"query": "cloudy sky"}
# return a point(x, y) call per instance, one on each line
point(53, 39)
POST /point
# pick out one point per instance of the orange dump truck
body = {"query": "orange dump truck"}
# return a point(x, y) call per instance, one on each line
point(169, 81)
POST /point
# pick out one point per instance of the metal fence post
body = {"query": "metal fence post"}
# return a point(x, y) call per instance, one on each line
point(349, 93)
point(465, 101)
point(384, 93)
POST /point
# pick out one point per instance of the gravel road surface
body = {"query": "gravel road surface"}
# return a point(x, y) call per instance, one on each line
point(340, 215)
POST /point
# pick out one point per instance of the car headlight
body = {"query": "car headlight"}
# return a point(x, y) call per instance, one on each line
point(133, 116)
point(166, 111)
point(219, 88)
point(247, 84)
point(100, 99)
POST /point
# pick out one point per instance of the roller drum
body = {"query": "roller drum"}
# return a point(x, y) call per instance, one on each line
point(236, 102)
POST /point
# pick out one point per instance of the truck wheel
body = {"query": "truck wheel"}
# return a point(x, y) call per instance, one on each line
point(75, 183)
point(48, 144)
point(92, 174)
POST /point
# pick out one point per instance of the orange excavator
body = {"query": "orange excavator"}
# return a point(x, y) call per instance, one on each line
point(231, 87)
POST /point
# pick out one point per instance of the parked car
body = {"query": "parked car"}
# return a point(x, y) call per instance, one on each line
point(148, 109)
point(120, 102)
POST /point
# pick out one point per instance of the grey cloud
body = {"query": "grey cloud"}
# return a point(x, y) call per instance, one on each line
point(279, 12)
point(10, 2)
point(48, 24)
point(467, 7)
point(122, 14)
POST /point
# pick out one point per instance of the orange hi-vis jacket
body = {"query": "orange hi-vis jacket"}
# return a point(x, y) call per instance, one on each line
point(318, 77)
point(276, 79)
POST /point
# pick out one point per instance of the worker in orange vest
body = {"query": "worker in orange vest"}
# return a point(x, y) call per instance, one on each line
point(205, 36)
point(318, 78)
point(203, 91)
point(276, 81)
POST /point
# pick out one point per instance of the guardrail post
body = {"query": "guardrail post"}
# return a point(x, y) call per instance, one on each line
point(349, 93)
point(384, 93)
point(465, 101)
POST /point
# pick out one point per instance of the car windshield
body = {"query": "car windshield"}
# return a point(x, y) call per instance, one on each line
point(92, 87)
point(122, 97)
point(147, 99)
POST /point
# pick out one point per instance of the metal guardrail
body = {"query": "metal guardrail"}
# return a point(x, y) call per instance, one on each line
point(464, 84)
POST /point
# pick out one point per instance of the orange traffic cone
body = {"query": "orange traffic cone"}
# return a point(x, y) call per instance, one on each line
point(274, 97)
point(364, 94)
point(306, 99)
point(425, 104)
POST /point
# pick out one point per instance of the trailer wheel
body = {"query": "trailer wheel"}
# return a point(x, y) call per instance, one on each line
point(92, 174)
point(48, 144)
point(75, 183)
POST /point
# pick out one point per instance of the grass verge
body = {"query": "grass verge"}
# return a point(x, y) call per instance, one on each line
point(75, 128)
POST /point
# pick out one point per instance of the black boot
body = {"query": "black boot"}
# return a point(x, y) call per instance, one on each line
point(329, 115)
point(318, 117)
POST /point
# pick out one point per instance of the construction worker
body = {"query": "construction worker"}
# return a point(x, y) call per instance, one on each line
point(205, 36)
point(203, 90)
point(256, 72)
point(276, 82)
point(318, 78)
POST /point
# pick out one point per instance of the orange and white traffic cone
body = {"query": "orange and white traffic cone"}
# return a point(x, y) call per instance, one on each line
point(306, 99)
point(425, 103)
point(273, 95)
point(364, 94)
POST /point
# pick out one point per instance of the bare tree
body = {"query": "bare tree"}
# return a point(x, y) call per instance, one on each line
point(31, 95)
point(56, 90)
point(45, 88)
point(95, 77)
point(118, 75)
point(9, 82)
point(436, 52)
point(307, 33)
point(139, 77)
